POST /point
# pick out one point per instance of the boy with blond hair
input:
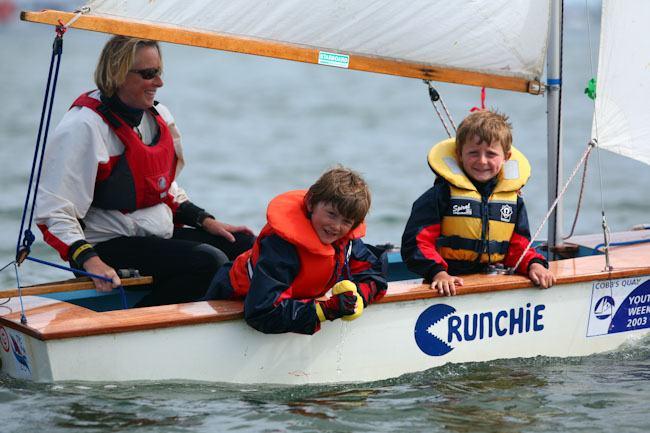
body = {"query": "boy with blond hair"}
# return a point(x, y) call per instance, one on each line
point(474, 215)
point(311, 243)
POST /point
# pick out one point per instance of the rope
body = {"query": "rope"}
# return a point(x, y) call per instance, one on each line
point(580, 197)
point(435, 97)
point(590, 146)
point(2, 269)
point(7, 265)
point(23, 317)
point(24, 243)
point(451, 120)
point(473, 109)
point(25, 235)
point(84, 273)
point(620, 244)
point(26, 238)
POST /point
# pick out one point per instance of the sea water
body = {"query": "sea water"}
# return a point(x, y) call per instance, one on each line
point(255, 127)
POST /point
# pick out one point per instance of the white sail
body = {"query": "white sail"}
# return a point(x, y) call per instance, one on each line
point(621, 117)
point(498, 37)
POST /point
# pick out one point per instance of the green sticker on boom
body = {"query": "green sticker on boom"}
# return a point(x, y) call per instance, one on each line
point(333, 59)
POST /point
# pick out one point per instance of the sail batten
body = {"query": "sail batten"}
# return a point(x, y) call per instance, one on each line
point(498, 47)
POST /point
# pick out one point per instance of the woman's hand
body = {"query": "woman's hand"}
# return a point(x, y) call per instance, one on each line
point(218, 228)
point(96, 266)
point(445, 284)
point(541, 276)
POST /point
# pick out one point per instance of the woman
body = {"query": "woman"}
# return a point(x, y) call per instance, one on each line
point(108, 198)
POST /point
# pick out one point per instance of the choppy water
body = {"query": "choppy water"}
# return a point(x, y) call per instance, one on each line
point(255, 127)
point(604, 393)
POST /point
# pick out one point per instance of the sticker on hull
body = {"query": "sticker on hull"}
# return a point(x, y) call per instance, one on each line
point(15, 357)
point(440, 328)
point(4, 339)
point(619, 306)
point(18, 349)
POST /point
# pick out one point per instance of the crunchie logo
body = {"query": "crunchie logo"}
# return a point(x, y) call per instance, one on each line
point(462, 209)
point(506, 213)
point(438, 329)
point(424, 330)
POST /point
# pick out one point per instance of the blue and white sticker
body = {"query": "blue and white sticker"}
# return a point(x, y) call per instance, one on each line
point(620, 305)
point(20, 355)
point(333, 59)
point(440, 328)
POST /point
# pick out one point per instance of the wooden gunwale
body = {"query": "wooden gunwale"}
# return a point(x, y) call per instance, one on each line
point(72, 285)
point(280, 50)
point(50, 319)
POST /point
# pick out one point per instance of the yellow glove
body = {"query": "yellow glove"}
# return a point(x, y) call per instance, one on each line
point(349, 286)
point(345, 303)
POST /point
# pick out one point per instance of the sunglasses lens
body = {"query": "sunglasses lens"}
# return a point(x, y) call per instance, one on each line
point(150, 73)
point(147, 74)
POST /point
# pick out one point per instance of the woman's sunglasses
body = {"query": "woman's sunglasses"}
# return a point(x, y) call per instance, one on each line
point(148, 74)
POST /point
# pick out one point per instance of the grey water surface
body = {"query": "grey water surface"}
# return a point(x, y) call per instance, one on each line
point(254, 127)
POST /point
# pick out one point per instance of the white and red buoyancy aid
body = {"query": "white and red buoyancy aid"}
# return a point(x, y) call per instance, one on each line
point(142, 175)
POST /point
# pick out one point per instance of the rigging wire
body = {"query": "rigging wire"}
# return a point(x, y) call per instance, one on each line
point(605, 227)
point(590, 147)
point(580, 197)
point(584, 173)
point(7, 265)
point(435, 97)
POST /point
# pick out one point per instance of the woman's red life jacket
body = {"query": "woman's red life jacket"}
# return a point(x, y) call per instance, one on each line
point(321, 265)
point(142, 175)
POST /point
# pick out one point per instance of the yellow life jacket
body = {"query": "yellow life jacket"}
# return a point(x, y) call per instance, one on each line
point(464, 234)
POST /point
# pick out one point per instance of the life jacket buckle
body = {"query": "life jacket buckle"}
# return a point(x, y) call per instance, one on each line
point(497, 269)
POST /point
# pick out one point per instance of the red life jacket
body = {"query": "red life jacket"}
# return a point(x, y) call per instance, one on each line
point(321, 265)
point(142, 175)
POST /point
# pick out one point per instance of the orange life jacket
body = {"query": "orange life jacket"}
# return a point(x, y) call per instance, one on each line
point(321, 265)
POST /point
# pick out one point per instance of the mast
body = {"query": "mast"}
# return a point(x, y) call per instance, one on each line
point(554, 123)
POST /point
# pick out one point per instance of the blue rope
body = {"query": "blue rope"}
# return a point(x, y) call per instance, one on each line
point(620, 244)
point(25, 235)
point(24, 243)
point(84, 273)
point(47, 130)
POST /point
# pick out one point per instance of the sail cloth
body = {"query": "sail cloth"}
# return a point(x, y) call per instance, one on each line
point(621, 121)
point(498, 37)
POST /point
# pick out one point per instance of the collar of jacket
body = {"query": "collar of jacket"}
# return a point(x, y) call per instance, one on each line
point(132, 116)
point(287, 216)
point(513, 175)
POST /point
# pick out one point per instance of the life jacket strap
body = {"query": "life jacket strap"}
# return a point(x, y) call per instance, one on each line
point(458, 243)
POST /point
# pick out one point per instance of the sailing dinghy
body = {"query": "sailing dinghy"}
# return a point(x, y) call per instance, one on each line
point(600, 301)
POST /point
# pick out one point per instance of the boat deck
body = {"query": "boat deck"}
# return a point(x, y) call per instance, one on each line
point(49, 319)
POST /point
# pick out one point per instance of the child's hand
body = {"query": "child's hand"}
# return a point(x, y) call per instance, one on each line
point(445, 284)
point(541, 276)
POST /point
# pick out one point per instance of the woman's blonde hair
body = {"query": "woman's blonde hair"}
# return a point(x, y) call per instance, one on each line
point(116, 60)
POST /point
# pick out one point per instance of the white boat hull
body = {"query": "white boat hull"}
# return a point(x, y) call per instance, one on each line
point(559, 322)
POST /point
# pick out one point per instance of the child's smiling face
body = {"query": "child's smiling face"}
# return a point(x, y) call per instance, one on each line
point(328, 223)
point(482, 161)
